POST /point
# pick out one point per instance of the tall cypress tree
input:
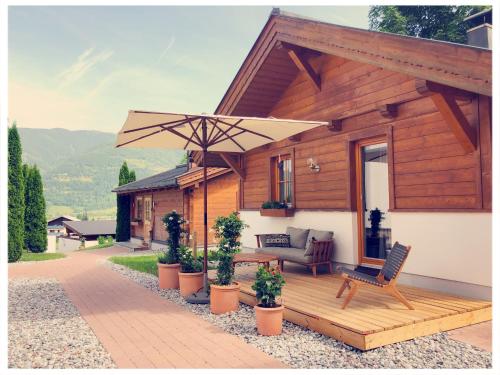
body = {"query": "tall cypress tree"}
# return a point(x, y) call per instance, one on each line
point(26, 172)
point(15, 196)
point(36, 220)
point(131, 176)
point(123, 207)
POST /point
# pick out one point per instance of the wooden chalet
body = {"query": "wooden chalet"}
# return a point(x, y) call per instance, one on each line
point(409, 142)
point(178, 189)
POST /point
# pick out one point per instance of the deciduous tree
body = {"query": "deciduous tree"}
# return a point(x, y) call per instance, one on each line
point(428, 21)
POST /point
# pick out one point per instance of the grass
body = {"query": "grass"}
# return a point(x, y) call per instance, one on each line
point(98, 246)
point(141, 263)
point(37, 257)
point(147, 263)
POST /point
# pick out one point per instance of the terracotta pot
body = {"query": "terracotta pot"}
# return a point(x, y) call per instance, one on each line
point(190, 283)
point(269, 320)
point(168, 275)
point(224, 298)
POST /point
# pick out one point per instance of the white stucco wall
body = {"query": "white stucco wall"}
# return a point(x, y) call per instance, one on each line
point(341, 223)
point(454, 249)
point(452, 246)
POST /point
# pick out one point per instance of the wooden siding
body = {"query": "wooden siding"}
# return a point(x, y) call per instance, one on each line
point(222, 200)
point(430, 169)
point(165, 201)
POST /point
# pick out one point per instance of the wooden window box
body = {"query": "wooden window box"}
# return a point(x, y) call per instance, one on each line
point(277, 212)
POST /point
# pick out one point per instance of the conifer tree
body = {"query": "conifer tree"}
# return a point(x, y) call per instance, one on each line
point(35, 218)
point(123, 206)
point(26, 172)
point(15, 196)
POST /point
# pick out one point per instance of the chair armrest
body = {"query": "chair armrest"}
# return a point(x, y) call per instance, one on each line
point(322, 250)
point(257, 236)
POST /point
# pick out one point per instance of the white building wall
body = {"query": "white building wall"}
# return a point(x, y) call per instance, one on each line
point(450, 252)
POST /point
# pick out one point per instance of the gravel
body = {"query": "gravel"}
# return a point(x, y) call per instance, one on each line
point(302, 348)
point(46, 330)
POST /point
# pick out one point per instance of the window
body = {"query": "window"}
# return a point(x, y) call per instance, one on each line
point(138, 208)
point(147, 206)
point(282, 179)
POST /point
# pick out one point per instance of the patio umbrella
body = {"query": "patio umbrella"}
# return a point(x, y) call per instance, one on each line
point(205, 133)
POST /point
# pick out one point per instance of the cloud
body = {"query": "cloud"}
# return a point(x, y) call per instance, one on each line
point(84, 63)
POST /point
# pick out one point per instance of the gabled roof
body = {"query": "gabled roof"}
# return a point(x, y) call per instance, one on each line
point(92, 227)
point(167, 179)
point(268, 70)
point(195, 175)
point(64, 217)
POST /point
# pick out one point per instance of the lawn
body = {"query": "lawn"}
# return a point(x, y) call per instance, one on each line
point(101, 246)
point(147, 263)
point(142, 263)
point(36, 257)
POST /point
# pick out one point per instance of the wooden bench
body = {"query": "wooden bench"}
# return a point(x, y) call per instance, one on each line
point(322, 254)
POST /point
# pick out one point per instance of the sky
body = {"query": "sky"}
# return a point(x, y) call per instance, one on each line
point(85, 67)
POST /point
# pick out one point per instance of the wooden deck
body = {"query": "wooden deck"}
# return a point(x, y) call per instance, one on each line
point(372, 319)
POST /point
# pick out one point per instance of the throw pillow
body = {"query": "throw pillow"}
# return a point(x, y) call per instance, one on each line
point(318, 235)
point(298, 237)
point(277, 240)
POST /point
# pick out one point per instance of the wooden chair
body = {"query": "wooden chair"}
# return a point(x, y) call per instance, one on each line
point(385, 280)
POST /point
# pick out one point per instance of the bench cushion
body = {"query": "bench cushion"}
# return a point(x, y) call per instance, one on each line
point(286, 253)
point(298, 237)
point(318, 235)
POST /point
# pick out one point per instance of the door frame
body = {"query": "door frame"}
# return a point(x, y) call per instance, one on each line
point(359, 144)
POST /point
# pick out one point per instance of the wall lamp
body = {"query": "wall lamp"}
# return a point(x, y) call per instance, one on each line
point(313, 166)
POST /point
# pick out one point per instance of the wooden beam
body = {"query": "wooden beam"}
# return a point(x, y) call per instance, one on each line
point(426, 87)
point(335, 125)
point(456, 120)
point(297, 55)
point(295, 138)
point(233, 164)
point(388, 110)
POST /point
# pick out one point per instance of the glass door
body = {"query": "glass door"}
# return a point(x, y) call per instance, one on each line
point(374, 218)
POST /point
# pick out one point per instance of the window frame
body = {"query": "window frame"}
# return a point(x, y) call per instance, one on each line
point(148, 208)
point(139, 213)
point(273, 188)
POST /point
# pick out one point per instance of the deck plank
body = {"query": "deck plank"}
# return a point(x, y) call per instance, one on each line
point(372, 319)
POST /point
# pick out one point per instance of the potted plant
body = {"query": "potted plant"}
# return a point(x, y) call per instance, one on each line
point(376, 216)
point(268, 313)
point(375, 243)
point(190, 274)
point(276, 209)
point(224, 292)
point(168, 261)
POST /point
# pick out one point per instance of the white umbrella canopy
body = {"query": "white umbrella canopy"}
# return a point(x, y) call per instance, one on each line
point(205, 133)
point(144, 129)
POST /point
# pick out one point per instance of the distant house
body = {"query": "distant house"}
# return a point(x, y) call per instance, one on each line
point(55, 226)
point(179, 189)
point(90, 230)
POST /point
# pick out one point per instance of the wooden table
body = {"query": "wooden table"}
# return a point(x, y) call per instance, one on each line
point(264, 259)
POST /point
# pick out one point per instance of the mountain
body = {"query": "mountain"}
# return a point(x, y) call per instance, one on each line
point(80, 168)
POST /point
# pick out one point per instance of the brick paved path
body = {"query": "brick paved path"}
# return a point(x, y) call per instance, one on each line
point(137, 327)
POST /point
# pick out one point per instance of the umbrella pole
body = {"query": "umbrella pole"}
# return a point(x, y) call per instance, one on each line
point(205, 224)
point(203, 297)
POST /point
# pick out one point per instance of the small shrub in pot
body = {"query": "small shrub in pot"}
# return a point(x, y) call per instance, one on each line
point(268, 313)
point(168, 261)
point(190, 274)
point(224, 293)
